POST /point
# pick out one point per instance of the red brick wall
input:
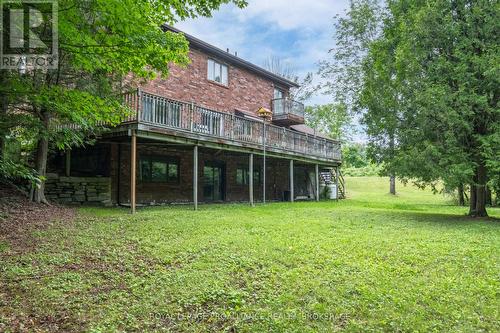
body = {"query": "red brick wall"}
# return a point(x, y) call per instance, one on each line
point(246, 91)
point(151, 192)
point(277, 176)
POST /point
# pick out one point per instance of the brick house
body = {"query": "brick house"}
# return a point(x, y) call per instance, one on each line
point(200, 136)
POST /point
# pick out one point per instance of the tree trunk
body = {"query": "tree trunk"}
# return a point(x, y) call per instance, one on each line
point(38, 193)
point(481, 191)
point(472, 201)
point(461, 196)
point(2, 135)
point(392, 177)
point(4, 104)
point(392, 184)
point(489, 200)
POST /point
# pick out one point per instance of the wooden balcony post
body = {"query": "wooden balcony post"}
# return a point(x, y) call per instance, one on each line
point(139, 105)
point(133, 157)
point(283, 143)
point(195, 177)
point(232, 126)
point(191, 116)
point(250, 179)
point(292, 195)
point(154, 112)
point(316, 169)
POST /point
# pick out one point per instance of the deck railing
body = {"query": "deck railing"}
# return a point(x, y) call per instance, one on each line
point(284, 106)
point(168, 113)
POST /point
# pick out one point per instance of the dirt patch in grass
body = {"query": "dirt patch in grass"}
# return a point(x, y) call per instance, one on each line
point(19, 218)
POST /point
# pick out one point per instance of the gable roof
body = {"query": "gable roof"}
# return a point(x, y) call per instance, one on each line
point(232, 59)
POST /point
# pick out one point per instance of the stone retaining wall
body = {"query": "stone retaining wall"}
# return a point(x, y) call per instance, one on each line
point(78, 190)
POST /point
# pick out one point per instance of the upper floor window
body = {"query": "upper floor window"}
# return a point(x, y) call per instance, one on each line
point(217, 72)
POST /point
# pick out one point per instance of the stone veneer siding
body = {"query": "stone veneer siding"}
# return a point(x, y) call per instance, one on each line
point(78, 190)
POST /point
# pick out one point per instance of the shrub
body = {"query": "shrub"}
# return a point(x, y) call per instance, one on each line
point(17, 173)
point(369, 170)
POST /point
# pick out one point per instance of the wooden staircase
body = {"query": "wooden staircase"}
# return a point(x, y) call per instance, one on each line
point(328, 177)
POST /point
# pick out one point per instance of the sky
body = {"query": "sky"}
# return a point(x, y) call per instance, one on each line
point(299, 32)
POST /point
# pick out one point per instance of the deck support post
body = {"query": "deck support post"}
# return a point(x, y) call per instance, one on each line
point(292, 194)
point(264, 180)
point(337, 182)
point(264, 164)
point(316, 174)
point(133, 161)
point(250, 179)
point(67, 163)
point(195, 177)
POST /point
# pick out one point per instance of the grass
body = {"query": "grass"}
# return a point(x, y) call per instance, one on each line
point(373, 262)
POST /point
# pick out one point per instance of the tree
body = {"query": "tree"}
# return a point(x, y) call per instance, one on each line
point(306, 88)
point(101, 42)
point(354, 156)
point(444, 65)
point(343, 72)
point(331, 119)
point(4, 104)
point(358, 89)
point(381, 98)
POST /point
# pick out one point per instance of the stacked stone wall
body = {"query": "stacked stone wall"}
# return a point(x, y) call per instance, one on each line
point(78, 190)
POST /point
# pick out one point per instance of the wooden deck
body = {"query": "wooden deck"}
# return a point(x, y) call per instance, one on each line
point(160, 118)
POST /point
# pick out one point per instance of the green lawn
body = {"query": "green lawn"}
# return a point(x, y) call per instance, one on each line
point(370, 263)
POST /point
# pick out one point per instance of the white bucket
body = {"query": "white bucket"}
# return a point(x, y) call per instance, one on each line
point(332, 189)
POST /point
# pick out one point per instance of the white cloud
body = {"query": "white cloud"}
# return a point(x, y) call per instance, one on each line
point(310, 20)
point(296, 14)
point(231, 27)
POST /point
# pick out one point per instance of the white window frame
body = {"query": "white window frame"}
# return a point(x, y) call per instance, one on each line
point(216, 70)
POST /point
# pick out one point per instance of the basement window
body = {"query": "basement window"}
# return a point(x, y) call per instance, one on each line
point(159, 169)
point(242, 176)
point(217, 72)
